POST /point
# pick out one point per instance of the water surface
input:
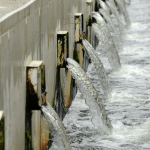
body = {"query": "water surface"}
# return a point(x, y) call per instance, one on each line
point(129, 107)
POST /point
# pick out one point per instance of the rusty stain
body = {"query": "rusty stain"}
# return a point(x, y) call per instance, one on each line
point(60, 59)
point(44, 143)
point(44, 136)
point(30, 86)
point(67, 102)
point(43, 98)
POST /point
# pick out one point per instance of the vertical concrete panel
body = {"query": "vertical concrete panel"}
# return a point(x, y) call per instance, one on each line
point(44, 2)
point(44, 56)
point(68, 25)
point(51, 52)
point(84, 12)
point(22, 38)
point(52, 60)
point(79, 6)
point(29, 36)
point(5, 90)
point(1, 80)
point(17, 91)
point(32, 35)
point(36, 36)
point(64, 19)
point(44, 33)
point(44, 39)
point(51, 19)
point(58, 15)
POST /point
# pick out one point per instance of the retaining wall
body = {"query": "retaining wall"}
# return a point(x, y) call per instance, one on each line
point(26, 34)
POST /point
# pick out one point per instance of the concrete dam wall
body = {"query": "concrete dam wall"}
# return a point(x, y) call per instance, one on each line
point(29, 33)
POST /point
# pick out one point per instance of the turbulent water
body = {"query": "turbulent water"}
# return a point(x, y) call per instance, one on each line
point(122, 6)
point(60, 140)
point(129, 108)
point(88, 91)
point(114, 33)
point(103, 5)
point(99, 68)
point(113, 9)
point(104, 36)
point(108, 19)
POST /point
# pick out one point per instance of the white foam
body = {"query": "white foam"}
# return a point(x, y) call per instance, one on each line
point(129, 106)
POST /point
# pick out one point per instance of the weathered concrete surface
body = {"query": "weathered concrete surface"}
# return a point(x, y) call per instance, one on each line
point(26, 34)
point(7, 6)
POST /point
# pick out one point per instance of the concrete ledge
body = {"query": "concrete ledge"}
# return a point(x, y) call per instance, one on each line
point(11, 19)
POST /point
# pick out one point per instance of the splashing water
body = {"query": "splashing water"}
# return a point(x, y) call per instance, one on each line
point(128, 109)
point(117, 39)
point(99, 68)
point(108, 18)
point(88, 91)
point(121, 5)
point(102, 33)
point(113, 8)
point(103, 5)
point(60, 140)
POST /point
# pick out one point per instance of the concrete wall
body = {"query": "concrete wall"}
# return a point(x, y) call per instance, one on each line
point(13, 1)
point(26, 34)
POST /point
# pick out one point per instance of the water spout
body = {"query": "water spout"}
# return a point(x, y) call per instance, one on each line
point(113, 9)
point(99, 68)
point(93, 100)
point(114, 33)
point(60, 140)
point(122, 6)
point(103, 34)
point(104, 6)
